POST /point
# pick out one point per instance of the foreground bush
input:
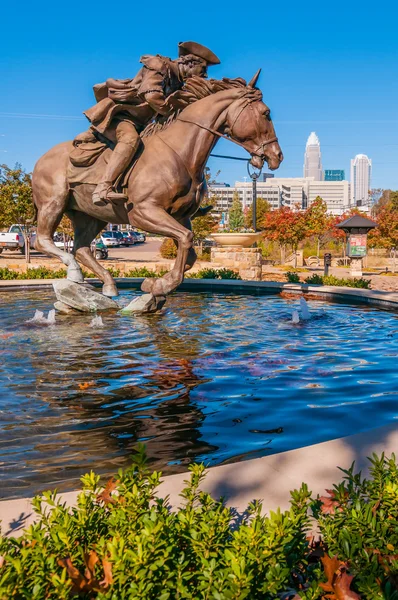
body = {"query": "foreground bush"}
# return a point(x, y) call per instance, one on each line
point(121, 541)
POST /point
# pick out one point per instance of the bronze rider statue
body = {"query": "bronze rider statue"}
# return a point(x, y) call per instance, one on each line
point(125, 106)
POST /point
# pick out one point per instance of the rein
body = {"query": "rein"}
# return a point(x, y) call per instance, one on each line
point(229, 138)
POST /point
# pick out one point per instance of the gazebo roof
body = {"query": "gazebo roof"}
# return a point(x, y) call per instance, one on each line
point(357, 222)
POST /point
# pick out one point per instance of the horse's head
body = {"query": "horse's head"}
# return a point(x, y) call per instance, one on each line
point(248, 122)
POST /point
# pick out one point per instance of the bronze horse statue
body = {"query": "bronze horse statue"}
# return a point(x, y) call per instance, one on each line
point(167, 184)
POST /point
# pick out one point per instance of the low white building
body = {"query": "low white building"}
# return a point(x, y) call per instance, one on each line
point(296, 193)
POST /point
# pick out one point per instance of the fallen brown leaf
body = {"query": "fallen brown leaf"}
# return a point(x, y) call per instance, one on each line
point(108, 577)
point(86, 385)
point(338, 581)
point(105, 495)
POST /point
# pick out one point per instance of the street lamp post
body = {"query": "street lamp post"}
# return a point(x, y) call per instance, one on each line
point(254, 175)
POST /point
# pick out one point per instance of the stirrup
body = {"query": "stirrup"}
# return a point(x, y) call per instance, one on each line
point(116, 197)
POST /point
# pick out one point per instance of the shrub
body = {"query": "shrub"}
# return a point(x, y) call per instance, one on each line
point(168, 248)
point(144, 272)
point(358, 521)
point(122, 541)
point(38, 273)
point(332, 280)
point(293, 277)
point(112, 271)
point(214, 274)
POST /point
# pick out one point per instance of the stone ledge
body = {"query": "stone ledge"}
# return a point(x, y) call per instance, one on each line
point(377, 297)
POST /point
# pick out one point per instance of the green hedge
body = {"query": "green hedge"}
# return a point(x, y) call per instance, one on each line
point(316, 279)
point(45, 273)
point(122, 542)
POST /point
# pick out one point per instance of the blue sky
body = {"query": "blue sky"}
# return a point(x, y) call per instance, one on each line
point(326, 67)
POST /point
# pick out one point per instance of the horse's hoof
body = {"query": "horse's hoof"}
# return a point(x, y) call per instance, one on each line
point(109, 290)
point(74, 274)
point(147, 284)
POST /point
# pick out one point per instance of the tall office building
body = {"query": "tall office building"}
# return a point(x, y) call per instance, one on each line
point(361, 170)
point(334, 175)
point(312, 158)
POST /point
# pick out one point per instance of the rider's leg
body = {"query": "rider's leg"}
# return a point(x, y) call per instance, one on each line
point(128, 141)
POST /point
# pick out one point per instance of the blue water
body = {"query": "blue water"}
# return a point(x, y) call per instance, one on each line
point(214, 378)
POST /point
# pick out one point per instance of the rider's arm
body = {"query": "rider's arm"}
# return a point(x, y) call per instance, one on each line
point(119, 84)
point(151, 87)
point(156, 100)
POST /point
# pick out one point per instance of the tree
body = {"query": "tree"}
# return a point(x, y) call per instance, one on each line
point(287, 227)
point(236, 217)
point(386, 234)
point(262, 208)
point(16, 204)
point(65, 227)
point(204, 225)
point(318, 221)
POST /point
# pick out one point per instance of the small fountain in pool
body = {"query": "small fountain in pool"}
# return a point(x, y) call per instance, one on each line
point(305, 313)
point(97, 322)
point(295, 317)
point(39, 318)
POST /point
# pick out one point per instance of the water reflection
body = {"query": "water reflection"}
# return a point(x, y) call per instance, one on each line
point(214, 378)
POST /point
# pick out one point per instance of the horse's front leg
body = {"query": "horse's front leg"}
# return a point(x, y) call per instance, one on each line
point(154, 219)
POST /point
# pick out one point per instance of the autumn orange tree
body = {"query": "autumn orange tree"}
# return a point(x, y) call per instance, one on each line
point(386, 234)
point(318, 221)
point(287, 227)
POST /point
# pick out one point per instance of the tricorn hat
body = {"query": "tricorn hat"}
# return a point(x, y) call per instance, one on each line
point(185, 48)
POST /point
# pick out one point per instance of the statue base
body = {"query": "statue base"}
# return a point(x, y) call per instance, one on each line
point(80, 297)
point(147, 303)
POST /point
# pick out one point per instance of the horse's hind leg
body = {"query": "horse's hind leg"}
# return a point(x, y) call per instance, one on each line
point(154, 219)
point(86, 229)
point(49, 214)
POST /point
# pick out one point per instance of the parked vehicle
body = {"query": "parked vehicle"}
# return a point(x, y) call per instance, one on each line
point(20, 229)
point(111, 238)
point(59, 242)
point(128, 238)
point(14, 239)
point(99, 250)
point(139, 236)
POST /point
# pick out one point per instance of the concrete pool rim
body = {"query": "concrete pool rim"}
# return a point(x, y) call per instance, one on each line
point(381, 299)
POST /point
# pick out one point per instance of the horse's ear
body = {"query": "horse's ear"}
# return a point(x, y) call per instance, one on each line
point(252, 82)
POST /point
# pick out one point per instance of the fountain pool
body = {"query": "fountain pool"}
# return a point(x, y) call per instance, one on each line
point(213, 377)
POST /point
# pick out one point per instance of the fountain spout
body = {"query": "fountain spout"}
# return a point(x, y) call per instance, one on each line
point(305, 313)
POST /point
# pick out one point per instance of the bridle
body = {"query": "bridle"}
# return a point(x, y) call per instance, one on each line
point(229, 137)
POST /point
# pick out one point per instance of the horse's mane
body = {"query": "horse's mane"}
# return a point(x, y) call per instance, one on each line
point(195, 88)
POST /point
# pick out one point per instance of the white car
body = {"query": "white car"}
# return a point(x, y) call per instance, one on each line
point(111, 238)
point(59, 242)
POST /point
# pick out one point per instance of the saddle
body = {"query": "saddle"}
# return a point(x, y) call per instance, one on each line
point(88, 160)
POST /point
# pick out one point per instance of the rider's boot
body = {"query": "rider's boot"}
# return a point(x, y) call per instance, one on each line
point(121, 157)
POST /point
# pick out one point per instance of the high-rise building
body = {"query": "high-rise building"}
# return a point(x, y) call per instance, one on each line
point(312, 158)
point(361, 170)
point(334, 175)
